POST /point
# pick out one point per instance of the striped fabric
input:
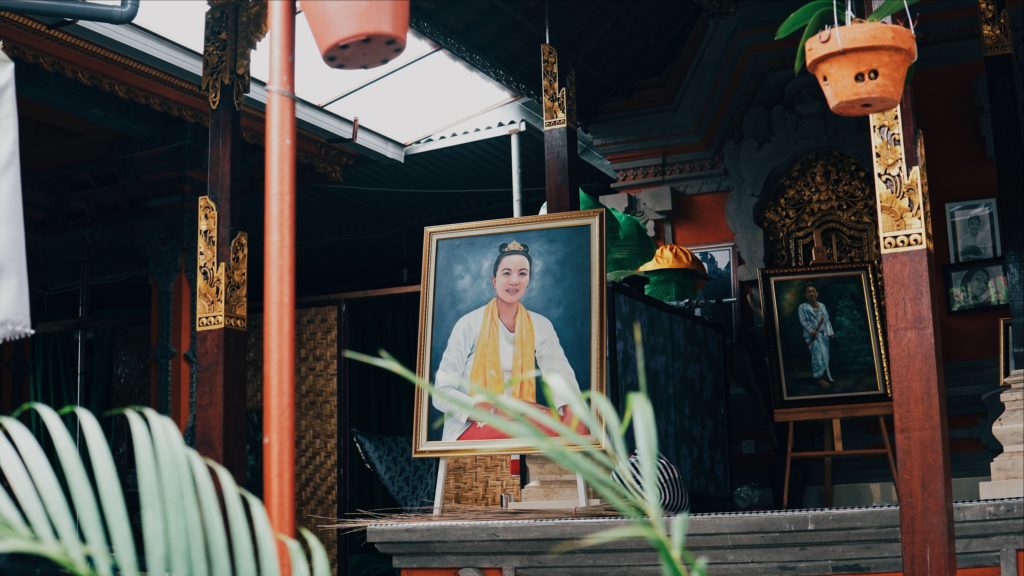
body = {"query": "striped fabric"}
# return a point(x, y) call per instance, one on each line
point(674, 498)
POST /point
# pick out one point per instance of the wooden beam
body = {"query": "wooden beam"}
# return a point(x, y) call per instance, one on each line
point(560, 152)
point(919, 399)
point(181, 340)
point(220, 353)
point(560, 158)
point(919, 415)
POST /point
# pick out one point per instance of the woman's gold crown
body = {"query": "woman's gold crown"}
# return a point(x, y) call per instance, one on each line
point(514, 246)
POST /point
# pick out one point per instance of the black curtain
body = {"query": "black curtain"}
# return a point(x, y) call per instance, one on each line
point(374, 401)
point(52, 380)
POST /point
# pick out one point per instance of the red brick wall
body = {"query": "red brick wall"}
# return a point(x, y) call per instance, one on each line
point(700, 219)
point(958, 169)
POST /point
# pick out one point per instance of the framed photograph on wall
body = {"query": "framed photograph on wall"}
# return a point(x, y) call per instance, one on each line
point(720, 262)
point(825, 344)
point(976, 285)
point(973, 228)
point(505, 304)
point(1006, 363)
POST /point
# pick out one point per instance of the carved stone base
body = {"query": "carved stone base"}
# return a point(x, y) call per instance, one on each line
point(550, 487)
point(1008, 467)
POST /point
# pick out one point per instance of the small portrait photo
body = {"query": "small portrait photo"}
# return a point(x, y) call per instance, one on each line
point(973, 228)
point(505, 305)
point(720, 262)
point(823, 332)
point(975, 285)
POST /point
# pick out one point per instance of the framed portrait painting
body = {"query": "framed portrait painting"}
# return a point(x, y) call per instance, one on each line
point(720, 262)
point(973, 228)
point(976, 285)
point(825, 344)
point(505, 305)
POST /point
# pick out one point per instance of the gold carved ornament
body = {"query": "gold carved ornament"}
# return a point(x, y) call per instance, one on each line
point(237, 299)
point(227, 47)
point(824, 194)
point(559, 103)
point(209, 275)
point(221, 295)
point(898, 194)
point(995, 32)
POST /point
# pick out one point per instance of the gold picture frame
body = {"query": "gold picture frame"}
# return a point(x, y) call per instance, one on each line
point(807, 368)
point(565, 297)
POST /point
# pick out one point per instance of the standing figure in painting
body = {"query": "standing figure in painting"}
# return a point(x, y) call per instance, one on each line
point(501, 343)
point(817, 333)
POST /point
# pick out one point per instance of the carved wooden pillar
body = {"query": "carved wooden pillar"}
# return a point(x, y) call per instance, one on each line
point(232, 28)
point(560, 152)
point(919, 398)
point(1007, 468)
point(181, 340)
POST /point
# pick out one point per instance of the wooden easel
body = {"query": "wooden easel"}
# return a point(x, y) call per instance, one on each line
point(832, 417)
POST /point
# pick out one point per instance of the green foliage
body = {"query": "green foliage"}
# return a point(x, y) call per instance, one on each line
point(183, 510)
point(636, 499)
point(814, 17)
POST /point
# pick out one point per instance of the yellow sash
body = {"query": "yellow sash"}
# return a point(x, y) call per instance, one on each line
point(486, 370)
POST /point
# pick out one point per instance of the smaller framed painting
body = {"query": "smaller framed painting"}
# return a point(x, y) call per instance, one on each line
point(824, 337)
point(973, 228)
point(720, 262)
point(976, 285)
point(1006, 363)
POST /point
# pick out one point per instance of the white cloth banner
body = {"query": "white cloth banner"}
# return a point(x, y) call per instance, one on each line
point(14, 305)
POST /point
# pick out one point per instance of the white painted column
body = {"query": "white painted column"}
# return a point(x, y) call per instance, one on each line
point(517, 175)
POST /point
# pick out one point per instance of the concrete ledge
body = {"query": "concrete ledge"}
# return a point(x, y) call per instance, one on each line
point(801, 542)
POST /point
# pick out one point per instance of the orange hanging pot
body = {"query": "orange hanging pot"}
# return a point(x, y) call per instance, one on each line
point(866, 74)
point(358, 34)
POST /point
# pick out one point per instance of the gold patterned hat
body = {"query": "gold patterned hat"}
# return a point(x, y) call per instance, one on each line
point(670, 256)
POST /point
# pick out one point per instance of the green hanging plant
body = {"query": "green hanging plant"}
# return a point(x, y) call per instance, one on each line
point(813, 17)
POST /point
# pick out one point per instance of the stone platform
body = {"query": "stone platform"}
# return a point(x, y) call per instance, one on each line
point(796, 542)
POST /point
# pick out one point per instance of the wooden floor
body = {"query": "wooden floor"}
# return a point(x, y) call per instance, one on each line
point(796, 542)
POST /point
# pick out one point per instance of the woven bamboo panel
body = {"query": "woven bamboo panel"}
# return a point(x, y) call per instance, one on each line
point(479, 481)
point(316, 415)
point(316, 421)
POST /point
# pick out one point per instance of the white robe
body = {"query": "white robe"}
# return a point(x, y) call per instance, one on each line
point(816, 320)
point(453, 372)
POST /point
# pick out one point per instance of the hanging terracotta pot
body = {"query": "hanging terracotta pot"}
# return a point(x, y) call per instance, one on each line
point(865, 75)
point(358, 34)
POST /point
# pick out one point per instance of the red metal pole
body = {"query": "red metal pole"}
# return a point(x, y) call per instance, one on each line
point(279, 275)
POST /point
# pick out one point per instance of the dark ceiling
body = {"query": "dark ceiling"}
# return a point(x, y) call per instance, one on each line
point(612, 43)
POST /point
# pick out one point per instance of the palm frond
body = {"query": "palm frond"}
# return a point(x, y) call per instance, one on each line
point(80, 521)
point(604, 464)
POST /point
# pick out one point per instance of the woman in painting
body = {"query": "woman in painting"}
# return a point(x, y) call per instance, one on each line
point(499, 347)
point(974, 285)
point(817, 333)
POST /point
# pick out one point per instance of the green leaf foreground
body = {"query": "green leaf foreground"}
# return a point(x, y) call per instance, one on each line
point(185, 528)
point(813, 17)
point(594, 458)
